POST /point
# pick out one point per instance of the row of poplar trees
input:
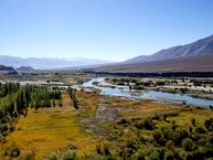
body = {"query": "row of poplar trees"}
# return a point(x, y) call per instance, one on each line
point(14, 101)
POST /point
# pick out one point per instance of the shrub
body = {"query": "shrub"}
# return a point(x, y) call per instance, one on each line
point(199, 154)
point(161, 153)
point(202, 142)
point(106, 150)
point(167, 133)
point(174, 126)
point(177, 154)
point(209, 124)
point(156, 135)
point(69, 155)
point(27, 156)
point(170, 144)
point(53, 156)
point(154, 155)
point(141, 156)
point(200, 130)
point(187, 144)
point(196, 155)
point(190, 156)
point(148, 124)
point(110, 157)
point(13, 151)
point(125, 154)
point(169, 155)
point(179, 135)
point(208, 149)
point(98, 149)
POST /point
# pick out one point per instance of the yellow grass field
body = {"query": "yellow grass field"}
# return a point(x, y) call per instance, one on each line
point(49, 129)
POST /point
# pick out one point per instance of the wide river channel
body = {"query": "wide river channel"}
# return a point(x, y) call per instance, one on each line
point(149, 94)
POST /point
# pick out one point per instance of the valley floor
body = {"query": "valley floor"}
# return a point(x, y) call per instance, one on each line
point(102, 127)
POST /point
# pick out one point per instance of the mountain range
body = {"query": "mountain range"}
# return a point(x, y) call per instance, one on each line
point(198, 48)
point(47, 63)
point(192, 57)
point(4, 70)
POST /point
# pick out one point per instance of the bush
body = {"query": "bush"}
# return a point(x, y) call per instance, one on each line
point(154, 155)
point(209, 124)
point(199, 154)
point(27, 156)
point(202, 142)
point(179, 135)
point(208, 149)
point(156, 135)
point(69, 155)
point(141, 156)
point(190, 156)
point(174, 126)
point(196, 155)
point(169, 155)
point(106, 150)
point(98, 149)
point(200, 130)
point(187, 144)
point(167, 133)
point(53, 156)
point(170, 144)
point(148, 124)
point(13, 151)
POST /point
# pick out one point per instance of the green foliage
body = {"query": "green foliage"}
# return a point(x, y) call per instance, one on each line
point(9, 88)
point(72, 95)
point(53, 156)
point(187, 144)
point(170, 144)
point(169, 155)
point(179, 135)
point(167, 133)
point(155, 155)
point(193, 121)
point(140, 156)
point(209, 124)
point(15, 101)
point(69, 155)
point(156, 135)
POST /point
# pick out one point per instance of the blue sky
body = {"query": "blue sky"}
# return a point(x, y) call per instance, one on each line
point(112, 30)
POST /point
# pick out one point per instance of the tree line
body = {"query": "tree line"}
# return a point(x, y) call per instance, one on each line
point(15, 99)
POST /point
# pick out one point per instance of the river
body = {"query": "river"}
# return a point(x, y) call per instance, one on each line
point(149, 94)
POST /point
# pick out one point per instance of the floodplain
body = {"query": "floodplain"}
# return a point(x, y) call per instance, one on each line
point(104, 127)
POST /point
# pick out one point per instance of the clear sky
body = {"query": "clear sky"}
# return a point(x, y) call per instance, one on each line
point(112, 30)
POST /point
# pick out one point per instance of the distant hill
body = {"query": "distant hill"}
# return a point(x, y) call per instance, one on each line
point(198, 48)
point(4, 70)
point(48, 63)
point(193, 57)
point(189, 64)
point(24, 69)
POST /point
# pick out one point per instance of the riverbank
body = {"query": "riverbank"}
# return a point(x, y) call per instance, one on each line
point(180, 86)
